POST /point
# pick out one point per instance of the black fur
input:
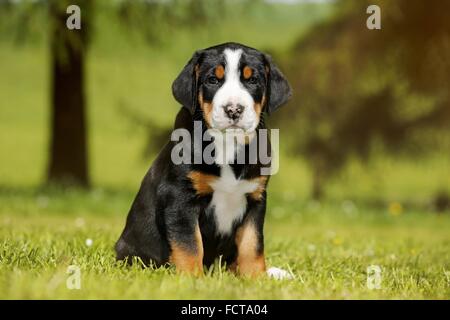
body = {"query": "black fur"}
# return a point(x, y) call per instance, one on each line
point(166, 207)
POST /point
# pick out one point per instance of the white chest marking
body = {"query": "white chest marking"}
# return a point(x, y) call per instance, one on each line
point(229, 199)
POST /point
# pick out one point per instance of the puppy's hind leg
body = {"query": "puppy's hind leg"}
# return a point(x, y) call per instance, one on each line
point(124, 251)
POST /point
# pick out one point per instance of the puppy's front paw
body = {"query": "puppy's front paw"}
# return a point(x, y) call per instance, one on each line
point(279, 274)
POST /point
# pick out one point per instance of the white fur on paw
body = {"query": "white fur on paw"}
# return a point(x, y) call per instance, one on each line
point(279, 274)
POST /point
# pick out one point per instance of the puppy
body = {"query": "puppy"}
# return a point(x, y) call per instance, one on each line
point(189, 213)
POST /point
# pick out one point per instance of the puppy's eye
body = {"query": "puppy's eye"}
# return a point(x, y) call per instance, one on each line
point(253, 80)
point(212, 80)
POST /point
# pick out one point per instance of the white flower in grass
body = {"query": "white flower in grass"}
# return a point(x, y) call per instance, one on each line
point(89, 242)
point(279, 274)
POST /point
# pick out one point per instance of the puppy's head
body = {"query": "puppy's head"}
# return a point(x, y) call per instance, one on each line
point(231, 85)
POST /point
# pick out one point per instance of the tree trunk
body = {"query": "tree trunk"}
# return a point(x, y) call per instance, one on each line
point(318, 179)
point(68, 159)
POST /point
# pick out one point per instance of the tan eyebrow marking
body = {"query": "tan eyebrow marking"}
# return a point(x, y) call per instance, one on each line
point(247, 72)
point(220, 72)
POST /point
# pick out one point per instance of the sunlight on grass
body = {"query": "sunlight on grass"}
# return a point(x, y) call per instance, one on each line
point(326, 249)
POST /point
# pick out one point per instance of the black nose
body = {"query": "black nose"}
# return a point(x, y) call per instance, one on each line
point(234, 111)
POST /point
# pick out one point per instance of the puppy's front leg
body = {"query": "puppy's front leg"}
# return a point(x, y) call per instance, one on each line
point(249, 241)
point(187, 250)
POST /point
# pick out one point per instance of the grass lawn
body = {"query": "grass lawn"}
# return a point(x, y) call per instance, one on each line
point(328, 248)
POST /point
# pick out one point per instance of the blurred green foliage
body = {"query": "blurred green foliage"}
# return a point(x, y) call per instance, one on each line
point(360, 90)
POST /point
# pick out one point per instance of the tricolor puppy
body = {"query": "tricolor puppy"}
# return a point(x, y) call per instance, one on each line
point(189, 214)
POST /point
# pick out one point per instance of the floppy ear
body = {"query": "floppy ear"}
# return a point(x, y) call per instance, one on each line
point(278, 89)
point(184, 88)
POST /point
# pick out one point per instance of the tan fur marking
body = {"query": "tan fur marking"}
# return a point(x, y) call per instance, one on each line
point(206, 108)
point(259, 106)
point(220, 72)
point(248, 262)
point(197, 71)
point(258, 109)
point(186, 261)
point(258, 193)
point(247, 72)
point(202, 182)
point(200, 98)
point(207, 112)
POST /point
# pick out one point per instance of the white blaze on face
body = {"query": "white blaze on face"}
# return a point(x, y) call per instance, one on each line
point(233, 92)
